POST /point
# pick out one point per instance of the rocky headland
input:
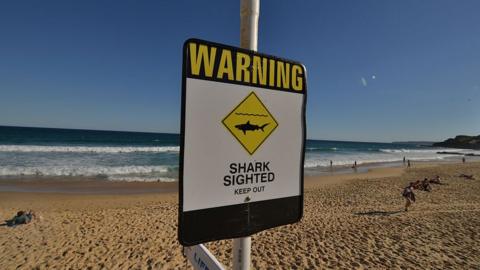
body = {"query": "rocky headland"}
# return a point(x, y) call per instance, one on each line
point(461, 141)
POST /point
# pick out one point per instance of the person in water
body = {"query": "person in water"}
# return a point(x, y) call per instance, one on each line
point(408, 195)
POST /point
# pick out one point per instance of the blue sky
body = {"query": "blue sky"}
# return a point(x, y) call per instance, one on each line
point(377, 70)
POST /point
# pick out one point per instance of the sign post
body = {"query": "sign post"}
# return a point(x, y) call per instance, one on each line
point(241, 142)
point(249, 12)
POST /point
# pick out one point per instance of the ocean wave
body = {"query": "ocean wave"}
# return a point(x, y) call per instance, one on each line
point(314, 163)
point(321, 148)
point(395, 151)
point(427, 151)
point(349, 160)
point(87, 149)
point(118, 171)
point(142, 179)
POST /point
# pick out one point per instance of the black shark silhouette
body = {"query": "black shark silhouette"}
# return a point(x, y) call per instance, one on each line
point(249, 127)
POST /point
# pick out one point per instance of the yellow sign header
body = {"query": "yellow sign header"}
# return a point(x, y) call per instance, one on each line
point(211, 61)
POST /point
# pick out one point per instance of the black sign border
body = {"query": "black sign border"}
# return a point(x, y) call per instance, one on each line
point(299, 199)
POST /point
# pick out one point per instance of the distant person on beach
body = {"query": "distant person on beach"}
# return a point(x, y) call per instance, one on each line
point(467, 176)
point(408, 195)
point(416, 185)
point(436, 180)
point(404, 160)
point(354, 166)
point(426, 185)
point(331, 164)
point(22, 217)
point(408, 163)
point(463, 159)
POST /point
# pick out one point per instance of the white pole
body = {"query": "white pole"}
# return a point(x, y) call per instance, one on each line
point(249, 11)
point(241, 253)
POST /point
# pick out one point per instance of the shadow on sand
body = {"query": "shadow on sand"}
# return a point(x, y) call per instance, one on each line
point(378, 213)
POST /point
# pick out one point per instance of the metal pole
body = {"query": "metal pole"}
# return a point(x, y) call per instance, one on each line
point(249, 11)
point(241, 253)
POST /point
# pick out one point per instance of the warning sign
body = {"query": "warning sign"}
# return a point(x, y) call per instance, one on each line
point(242, 142)
point(250, 123)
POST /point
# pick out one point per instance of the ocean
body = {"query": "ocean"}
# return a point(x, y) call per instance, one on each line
point(137, 156)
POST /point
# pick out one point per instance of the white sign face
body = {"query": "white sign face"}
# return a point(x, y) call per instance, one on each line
point(223, 172)
point(243, 133)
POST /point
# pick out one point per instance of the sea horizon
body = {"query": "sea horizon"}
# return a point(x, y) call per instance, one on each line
point(178, 133)
point(34, 152)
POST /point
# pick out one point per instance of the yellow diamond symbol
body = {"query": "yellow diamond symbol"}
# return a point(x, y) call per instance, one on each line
point(250, 123)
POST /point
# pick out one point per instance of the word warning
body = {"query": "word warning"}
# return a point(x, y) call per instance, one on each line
point(242, 142)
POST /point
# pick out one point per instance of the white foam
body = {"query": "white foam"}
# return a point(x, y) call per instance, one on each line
point(432, 151)
point(87, 149)
point(82, 170)
point(314, 160)
point(320, 148)
point(142, 179)
point(348, 161)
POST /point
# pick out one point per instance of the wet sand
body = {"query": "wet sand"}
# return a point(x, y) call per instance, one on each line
point(351, 221)
point(84, 186)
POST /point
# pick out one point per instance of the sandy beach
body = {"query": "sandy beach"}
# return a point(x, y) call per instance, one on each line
point(351, 221)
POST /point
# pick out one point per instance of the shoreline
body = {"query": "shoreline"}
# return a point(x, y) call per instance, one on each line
point(95, 186)
point(166, 172)
point(87, 186)
point(364, 167)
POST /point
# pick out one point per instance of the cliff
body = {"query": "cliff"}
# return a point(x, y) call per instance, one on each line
point(461, 141)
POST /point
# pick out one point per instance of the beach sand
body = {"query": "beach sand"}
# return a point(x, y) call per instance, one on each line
point(353, 221)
